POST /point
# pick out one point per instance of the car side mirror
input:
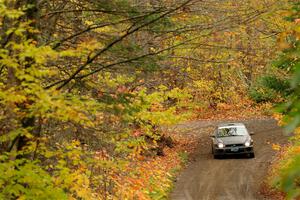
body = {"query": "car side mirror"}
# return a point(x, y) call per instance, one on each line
point(252, 133)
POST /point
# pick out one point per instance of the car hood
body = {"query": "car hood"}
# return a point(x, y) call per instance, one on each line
point(234, 139)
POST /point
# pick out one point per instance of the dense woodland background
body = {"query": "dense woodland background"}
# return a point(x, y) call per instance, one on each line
point(86, 87)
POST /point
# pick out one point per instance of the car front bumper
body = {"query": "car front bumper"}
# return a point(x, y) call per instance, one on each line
point(230, 150)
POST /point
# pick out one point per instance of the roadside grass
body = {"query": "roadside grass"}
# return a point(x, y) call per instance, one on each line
point(184, 157)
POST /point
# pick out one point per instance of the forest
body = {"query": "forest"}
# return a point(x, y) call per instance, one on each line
point(89, 87)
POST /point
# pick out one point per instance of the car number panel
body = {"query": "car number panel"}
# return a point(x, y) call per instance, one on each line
point(234, 149)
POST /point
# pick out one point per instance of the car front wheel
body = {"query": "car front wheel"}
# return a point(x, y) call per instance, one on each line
point(251, 155)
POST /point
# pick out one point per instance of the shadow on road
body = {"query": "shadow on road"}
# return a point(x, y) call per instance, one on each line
point(237, 156)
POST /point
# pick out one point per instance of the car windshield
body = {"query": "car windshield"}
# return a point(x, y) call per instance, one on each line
point(231, 131)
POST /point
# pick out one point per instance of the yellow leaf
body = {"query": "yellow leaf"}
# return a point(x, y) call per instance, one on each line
point(276, 147)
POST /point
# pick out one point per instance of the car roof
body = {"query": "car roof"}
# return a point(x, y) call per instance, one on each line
point(231, 124)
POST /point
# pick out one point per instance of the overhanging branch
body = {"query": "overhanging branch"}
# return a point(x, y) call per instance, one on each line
point(96, 55)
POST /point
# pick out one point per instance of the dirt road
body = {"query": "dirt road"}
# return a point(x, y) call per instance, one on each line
point(232, 178)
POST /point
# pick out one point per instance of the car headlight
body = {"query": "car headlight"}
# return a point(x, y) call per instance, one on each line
point(220, 145)
point(247, 143)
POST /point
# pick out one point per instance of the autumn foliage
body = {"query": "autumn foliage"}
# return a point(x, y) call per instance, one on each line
point(87, 89)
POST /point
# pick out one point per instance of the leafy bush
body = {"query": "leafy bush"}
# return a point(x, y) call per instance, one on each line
point(262, 94)
point(269, 88)
point(287, 176)
point(279, 85)
point(24, 179)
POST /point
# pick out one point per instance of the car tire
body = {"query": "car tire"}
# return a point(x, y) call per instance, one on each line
point(216, 156)
point(251, 155)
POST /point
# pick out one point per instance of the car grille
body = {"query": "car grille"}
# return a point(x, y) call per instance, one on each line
point(234, 145)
